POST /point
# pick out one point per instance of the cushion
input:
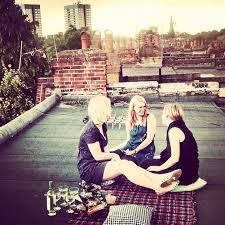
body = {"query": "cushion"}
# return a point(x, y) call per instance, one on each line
point(191, 187)
point(130, 214)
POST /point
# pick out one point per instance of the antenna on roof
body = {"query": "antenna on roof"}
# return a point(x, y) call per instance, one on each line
point(55, 48)
point(21, 51)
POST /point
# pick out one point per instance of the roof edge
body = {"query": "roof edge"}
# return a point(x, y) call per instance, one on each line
point(18, 124)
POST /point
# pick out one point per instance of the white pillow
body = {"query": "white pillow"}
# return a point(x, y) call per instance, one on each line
point(129, 214)
point(191, 187)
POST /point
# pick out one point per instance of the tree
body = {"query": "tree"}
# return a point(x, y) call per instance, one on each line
point(17, 31)
point(185, 35)
point(49, 45)
point(72, 38)
point(15, 28)
point(16, 95)
point(221, 38)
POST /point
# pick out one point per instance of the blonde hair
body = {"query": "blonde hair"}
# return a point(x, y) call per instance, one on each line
point(174, 111)
point(99, 109)
point(132, 117)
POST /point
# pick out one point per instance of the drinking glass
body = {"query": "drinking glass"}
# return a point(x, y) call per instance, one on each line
point(70, 198)
point(74, 191)
point(57, 196)
point(64, 192)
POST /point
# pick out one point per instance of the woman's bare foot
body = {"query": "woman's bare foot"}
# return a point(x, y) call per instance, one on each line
point(173, 176)
point(164, 190)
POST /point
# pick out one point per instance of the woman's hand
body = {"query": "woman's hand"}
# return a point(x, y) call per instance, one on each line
point(153, 168)
point(115, 157)
point(130, 152)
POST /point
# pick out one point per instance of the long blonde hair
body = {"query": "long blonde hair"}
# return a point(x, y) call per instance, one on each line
point(99, 109)
point(132, 117)
point(174, 111)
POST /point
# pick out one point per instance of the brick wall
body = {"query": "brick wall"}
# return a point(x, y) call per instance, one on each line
point(80, 71)
point(128, 56)
point(45, 86)
point(77, 72)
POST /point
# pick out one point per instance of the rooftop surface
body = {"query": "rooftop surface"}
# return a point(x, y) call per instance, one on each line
point(47, 149)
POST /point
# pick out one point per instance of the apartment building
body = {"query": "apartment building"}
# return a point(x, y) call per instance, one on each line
point(77, 15)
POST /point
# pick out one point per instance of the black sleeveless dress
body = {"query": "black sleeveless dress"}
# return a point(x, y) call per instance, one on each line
point(188, 161)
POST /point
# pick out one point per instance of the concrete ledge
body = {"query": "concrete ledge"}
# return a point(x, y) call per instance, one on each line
point(221, 93)
point(132, 85)
point(189, 88)
point(18, 124)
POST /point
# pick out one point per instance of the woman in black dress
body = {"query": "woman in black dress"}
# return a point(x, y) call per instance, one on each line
point(181, 151)
point(96, 163)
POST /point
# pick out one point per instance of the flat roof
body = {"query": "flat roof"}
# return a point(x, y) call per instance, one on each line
point(47, 149)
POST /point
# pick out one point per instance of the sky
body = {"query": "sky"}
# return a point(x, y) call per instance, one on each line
point(127, 17)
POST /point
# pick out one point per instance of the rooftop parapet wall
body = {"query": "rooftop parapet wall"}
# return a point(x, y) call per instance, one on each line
point(155, 91)
point(18, 124)
point(194, 62)
point(128, 56)
point(80, 71)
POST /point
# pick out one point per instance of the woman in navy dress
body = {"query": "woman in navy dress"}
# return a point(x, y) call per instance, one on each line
point(181, 151)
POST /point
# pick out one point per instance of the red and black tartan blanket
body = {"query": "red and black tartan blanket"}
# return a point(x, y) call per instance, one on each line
point(169, 209)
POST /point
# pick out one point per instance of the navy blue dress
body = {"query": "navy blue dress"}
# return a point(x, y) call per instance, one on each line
point(89, 169)
point(188, 161)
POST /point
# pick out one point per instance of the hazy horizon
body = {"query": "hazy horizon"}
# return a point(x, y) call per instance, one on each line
point(126, 17)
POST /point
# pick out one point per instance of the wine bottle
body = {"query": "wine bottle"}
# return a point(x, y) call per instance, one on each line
point(50, 200)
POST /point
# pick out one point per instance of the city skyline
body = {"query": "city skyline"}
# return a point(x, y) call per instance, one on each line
point(126, 17)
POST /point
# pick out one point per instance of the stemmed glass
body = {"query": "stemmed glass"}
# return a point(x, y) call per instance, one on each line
point(64, 192)
point(57, 196)
point(75, 191)
point(70, 198)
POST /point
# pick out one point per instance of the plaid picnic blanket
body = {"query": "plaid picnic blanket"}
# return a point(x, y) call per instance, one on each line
point(169, 209)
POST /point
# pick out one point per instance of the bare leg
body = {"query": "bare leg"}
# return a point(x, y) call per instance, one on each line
point(170, 187)
point(165, 179)
point(139, 176)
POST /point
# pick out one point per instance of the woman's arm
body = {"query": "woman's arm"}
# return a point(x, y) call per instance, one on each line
point(151, 130)
point(106, 149)
point(121, 145)
point(175, 137)
point(98, 155)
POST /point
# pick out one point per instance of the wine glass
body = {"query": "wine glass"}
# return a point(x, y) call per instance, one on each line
point(70, 198)
point(57, 196)
point(64, 192)
point(74, 191)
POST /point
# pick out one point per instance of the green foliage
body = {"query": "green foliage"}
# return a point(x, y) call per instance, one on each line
point(208, 36)
point(145, 32)
point(18, 94)
point(15, 95)
point(15, 28)
point(221, 38)
point(49, 46)
point(70, 40)
point(185, 35)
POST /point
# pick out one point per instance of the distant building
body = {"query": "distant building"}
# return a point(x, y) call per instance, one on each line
point(154, 29)
point(77, 15)
point(33, 11)
point(171, 32)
